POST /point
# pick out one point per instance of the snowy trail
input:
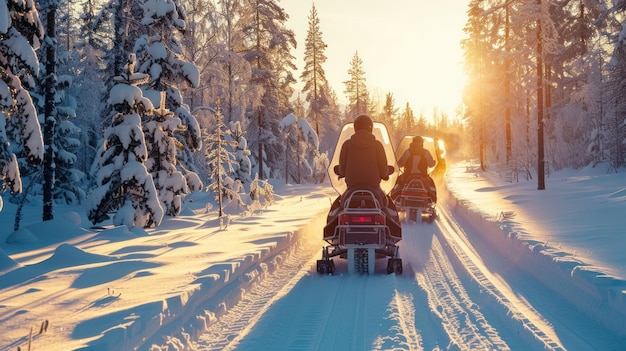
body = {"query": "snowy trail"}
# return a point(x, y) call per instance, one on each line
point(426, 308)
point(540, 317)
point(455, 294)
point(238, 320)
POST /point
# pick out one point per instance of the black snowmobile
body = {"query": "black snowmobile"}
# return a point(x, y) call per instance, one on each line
point(416, 195)
point(360, 226)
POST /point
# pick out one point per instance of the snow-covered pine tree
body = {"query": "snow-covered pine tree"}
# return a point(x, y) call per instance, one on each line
point(49, 87)
point(310, 147)
point(243, 170)
point(124, 185)
point(293, 153)
point(68, 180)
point(222, 161)
point(302, 147)
point(261, 193)
point(160, 53)
point(51, 95)
point(197, 44)
point(267, 47)
point(615, 124)
point(228, 73)
point(87, 64)
point(170, 183)
point(21, 33)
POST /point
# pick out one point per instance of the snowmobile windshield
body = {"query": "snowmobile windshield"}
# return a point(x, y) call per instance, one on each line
point(429, 144)
point(381, 134)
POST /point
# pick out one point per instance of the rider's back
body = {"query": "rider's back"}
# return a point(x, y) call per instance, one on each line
point(363, 161)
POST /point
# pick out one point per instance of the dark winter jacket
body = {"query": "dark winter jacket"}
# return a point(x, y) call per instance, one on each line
point(416, 160)
point(363, 161)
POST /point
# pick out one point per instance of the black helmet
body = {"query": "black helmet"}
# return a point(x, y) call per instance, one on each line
point(363, 122)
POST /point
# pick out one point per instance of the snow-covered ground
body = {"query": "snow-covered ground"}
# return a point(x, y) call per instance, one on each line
point(249, 283)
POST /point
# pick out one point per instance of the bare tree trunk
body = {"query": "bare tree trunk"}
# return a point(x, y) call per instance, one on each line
point(49, 110)
point(507, 87)
point(541, 185)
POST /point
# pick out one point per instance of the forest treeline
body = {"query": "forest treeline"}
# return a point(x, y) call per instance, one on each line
point(546, 83)
point(126, 106)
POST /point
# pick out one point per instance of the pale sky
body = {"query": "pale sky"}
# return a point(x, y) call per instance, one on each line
point(410, 48)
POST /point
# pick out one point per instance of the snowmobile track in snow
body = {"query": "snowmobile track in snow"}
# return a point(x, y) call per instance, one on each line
point(460, 286)
point(237, 321)
point(454, 294)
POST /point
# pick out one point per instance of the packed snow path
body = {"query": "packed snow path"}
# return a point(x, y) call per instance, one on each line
point(455, 293)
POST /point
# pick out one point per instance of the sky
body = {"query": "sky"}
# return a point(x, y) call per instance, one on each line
point(504, 266)
point(409, 48)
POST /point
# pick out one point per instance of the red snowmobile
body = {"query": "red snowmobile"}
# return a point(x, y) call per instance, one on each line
point(361, 227)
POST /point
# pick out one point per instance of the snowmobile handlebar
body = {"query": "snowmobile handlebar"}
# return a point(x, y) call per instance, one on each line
point(390, 170)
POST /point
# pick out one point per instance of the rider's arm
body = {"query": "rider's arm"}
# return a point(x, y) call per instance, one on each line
point(382, 161)
point(403, 158)
point(429, 159)
point(343, 159)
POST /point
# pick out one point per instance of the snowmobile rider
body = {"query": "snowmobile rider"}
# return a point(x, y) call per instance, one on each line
point(416, 160)
point(362, 160)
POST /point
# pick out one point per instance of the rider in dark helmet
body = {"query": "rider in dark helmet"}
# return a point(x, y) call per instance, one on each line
point(363, 122)
point(363, 163)
point(416, 161)
point(362, 159)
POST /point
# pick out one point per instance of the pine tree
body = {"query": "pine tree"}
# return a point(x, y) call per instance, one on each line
point(268, 45)
point(21, 33)
point(293, 153)
point(222, 161)
point(261, 193)
point(615, 119)
point(68, 179)
point(160, 55)
point(173, 125)
point(243, 169)
point(197, 43)
point(124, 185)
point(87, 65)
point(62, 181)
point(161, 163)
point(49, 85)
point(388, 115)
point(227, 73)
point(356, 89)
point(301, 149)
point(313, 74)
point(407, 122)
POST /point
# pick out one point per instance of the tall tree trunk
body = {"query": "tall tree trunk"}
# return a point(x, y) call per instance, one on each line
point(541, 185)
point(50, 88)
point(260, 111)
point(120, 38)
point(507, 90)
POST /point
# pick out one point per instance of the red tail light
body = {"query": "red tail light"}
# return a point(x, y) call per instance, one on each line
point(361, 219)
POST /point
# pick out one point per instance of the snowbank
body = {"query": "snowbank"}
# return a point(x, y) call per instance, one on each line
point(588, 286)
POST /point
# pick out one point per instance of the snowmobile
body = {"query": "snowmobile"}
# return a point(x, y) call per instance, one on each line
point(362, 227)
point(415, 195)
point(413, 199)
